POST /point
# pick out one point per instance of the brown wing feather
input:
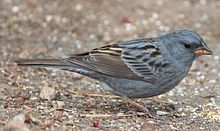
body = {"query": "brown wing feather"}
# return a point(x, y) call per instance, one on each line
point(106, 60)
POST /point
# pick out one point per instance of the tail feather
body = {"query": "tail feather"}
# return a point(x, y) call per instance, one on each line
point(42, 62)
point(57, 63)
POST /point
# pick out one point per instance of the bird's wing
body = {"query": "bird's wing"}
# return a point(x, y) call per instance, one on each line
point(137, 60)
point(147, 62)
point(106, 60)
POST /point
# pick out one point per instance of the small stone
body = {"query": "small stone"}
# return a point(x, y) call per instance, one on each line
point(129, 27)
point(127, 20)
point(182, 16)
point(64, 20)
point(155, 16)
point(49, 18)
point(47, 93)
point(17, 124)
point(160, 2)
point(203, 2)
point(212, 81)
point(216, 57)
point(198, 25)
point(166, 28)
point(204, 17)
point(19, 117)
point(58, 105)
point(15, 9)
point(148, 127)
point(158, 23)
point(186, 3)
point(78, 7)
point(162, 113)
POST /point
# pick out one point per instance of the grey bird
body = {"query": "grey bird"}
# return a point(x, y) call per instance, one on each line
point(139, 68)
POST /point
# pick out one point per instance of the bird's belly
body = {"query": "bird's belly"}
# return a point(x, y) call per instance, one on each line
point(137, 89)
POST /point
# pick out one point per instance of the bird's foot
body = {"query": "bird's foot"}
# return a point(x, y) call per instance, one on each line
point(139, 106)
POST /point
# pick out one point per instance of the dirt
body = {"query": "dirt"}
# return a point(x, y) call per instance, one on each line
point(49, 99)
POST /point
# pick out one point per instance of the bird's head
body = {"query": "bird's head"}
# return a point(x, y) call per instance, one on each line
point(186, 45)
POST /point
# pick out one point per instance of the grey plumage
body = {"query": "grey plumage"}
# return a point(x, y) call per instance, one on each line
point(136, 69)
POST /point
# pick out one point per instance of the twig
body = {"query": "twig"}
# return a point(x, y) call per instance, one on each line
point(92, 94)
point(106, 115)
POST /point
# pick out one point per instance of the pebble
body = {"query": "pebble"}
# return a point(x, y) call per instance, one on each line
point(162, 113)
point(15, 9)
point(158, 23)
point(17, 124)
point(216, 57)
point(48, 18)
point(155, 16)
point(186, 3)
point(78, 7)
point(129, 27)
point(170, 93)
point(160, 2)
point(204, 17)
point(78, 44)
point(64, 20)
point(47, 93)
point(198, 25)
point(203, 2)
point(148, 127)
point(212, 81)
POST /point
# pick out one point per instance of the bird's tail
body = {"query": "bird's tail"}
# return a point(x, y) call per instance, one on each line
point(55, 63)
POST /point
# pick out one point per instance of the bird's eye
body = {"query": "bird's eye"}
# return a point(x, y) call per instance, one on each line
point(187, 45)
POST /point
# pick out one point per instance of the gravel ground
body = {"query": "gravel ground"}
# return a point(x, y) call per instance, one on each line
point(49, 99)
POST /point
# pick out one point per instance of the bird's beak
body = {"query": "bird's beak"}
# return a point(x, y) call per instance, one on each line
point(203, 50)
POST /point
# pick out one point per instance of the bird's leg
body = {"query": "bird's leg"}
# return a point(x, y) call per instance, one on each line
point(139, 106)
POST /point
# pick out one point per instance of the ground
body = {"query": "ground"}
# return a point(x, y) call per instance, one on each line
point(49, 99)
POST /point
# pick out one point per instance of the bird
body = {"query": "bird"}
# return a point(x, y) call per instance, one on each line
point(139, 68)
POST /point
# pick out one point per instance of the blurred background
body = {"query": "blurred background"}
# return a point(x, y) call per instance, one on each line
point(56, 28)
